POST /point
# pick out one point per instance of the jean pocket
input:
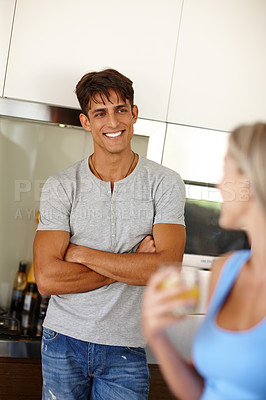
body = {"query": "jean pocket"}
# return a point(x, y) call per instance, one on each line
point(48, 335)
point(137, 350)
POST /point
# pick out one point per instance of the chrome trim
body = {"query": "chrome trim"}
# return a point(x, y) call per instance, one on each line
point(69, 117)
point(39, 112)
point(20, 348)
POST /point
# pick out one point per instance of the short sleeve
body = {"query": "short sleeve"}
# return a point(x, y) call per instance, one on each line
point(170, 200)
point(55, 206)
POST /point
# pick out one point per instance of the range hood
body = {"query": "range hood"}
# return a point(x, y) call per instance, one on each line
point(39, 112)
point(154, 132)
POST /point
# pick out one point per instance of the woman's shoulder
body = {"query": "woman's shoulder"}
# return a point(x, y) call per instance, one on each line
point(220, 261)
point(216, 269)
point(233, 260)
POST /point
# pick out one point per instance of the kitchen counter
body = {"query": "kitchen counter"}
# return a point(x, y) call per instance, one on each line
point(180, 334)
point(19, 346)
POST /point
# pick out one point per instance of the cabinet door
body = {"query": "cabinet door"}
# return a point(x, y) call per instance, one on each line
point(21, 378)
point(196, 154)
point(219, 79)
point(6, 17)
point(56, 42)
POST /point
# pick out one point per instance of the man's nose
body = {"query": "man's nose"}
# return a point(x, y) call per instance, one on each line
point(112, 120)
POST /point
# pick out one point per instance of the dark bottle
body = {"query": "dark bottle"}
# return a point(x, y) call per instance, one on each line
point(18, 292)
point(30, 310)
point(41, 314)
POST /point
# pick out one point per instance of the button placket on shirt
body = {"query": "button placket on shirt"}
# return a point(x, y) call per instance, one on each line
point(113, 222)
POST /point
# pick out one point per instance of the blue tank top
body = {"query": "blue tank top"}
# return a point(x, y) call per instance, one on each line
point(233, 363)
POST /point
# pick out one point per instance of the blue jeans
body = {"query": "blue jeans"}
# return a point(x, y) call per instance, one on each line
point(76, 370)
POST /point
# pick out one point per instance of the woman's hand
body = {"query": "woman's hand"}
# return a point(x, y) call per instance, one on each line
point(160, 306)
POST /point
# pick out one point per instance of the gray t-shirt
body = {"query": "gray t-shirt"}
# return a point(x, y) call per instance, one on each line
point(76, 201)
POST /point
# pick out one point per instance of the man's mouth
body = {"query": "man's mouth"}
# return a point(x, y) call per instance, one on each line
point(113, 134)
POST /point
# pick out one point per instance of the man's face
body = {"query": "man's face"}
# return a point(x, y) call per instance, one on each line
point(110, 123)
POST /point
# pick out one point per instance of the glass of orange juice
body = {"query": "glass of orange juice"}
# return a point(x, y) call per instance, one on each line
point(187, 278)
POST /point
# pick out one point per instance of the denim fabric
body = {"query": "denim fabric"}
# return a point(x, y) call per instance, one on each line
point(77, 370)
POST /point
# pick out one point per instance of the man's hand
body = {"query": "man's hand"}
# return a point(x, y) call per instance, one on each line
point(147, 245)
point(74, 253)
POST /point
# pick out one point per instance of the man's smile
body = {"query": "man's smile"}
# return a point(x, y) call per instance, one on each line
point(113, 134)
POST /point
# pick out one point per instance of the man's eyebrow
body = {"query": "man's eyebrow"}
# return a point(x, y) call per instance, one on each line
point(98, 110)
point(123, 105)
point(116, 107)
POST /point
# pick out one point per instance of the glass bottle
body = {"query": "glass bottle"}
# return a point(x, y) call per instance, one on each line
point(41, 314)
point(18, 292)
point(30, 309)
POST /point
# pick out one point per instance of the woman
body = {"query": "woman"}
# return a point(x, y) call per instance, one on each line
point(229, 349)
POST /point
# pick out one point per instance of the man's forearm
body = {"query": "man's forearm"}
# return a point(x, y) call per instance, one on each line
point(56, 276)
point(64, 278)
point(133, 268)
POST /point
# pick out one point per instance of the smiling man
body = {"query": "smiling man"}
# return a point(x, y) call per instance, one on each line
point(106, 224)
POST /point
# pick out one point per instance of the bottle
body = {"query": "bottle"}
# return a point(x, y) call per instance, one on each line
point(41, 313)
point(18, 292)
point(31, 301)
point(29, 312)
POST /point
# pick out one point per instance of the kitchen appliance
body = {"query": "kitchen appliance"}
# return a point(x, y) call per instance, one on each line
point(206, 240)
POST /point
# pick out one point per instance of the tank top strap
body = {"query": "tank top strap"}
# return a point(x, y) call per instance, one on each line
point(228, 275)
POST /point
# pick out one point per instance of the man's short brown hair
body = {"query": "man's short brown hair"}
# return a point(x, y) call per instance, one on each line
point(100, 83)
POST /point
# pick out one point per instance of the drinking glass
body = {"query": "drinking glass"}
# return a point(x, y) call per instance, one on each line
point(186, 277)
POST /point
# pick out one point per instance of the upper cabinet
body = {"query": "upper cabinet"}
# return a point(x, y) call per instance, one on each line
point(196, 154)
point(54, 43)
point(6, 17)
point(219, 78)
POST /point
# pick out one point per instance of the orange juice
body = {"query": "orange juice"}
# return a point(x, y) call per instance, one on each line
point(167, 283)
point(191, 290)
point(190, 293)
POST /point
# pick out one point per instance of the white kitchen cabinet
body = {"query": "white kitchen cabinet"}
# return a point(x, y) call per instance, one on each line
point(55, 42)
point(196, 154)
point(6, 17)
point(219, 79)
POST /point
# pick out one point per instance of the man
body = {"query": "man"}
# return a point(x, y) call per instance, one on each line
point(106, 224)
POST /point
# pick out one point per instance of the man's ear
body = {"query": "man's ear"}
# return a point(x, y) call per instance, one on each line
point(135, 113)
point(85, 122)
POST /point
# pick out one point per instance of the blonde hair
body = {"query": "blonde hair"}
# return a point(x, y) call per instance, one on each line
point(247, 146)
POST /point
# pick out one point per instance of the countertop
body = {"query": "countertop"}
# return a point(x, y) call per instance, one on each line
point(181, 334)
point(20, 347)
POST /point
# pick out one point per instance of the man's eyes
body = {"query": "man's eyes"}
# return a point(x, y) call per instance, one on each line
point(102, 113)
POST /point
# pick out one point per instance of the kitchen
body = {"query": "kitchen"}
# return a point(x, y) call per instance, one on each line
point(198, 71)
